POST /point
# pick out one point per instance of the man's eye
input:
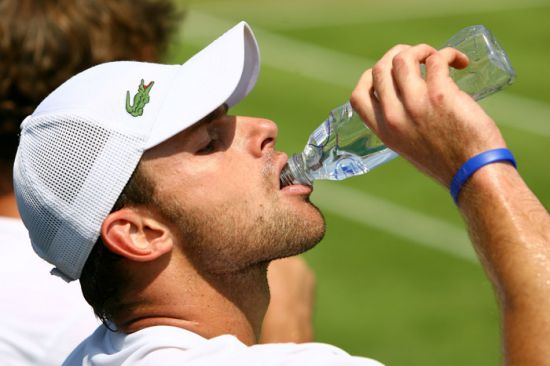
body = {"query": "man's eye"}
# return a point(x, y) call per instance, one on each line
point(210, 147)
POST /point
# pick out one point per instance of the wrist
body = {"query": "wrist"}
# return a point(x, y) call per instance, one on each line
point(478, 162)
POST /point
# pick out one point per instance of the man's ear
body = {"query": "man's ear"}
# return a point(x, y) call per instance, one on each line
point(136, 234)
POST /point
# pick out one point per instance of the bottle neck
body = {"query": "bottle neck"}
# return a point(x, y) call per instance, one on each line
point(295, 172)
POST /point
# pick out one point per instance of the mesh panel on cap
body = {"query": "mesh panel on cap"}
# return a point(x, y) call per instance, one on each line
point(86, 143)
point(39, 219)
point(73, 169)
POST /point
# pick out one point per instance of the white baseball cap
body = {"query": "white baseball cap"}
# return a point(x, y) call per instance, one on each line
point(81, 145)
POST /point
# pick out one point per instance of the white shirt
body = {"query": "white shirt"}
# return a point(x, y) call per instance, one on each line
point(166, 345)
point(42, 318)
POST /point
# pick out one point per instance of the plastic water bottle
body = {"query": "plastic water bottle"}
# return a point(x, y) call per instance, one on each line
point(343, 146)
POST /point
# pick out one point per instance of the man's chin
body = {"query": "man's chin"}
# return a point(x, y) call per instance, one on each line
point(312, 233)
point(317, 220)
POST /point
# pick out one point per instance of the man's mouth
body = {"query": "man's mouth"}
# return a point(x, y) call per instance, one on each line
point(280, 163)
point(299, 189)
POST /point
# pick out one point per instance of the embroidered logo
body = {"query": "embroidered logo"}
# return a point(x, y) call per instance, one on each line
point(140, 99)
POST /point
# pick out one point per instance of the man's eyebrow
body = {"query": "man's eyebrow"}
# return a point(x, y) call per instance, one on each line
point(216, 113)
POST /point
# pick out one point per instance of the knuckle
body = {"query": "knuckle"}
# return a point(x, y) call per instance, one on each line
point(401, 47)
point(437, 97)
point(447, 49)
point(425, 45)
point(365, 76)
point(395, 48)
point(361, 89)
point(354, 101)
point(378, 71)
point(399, 61)
point(356, 97)
point(414, 110)
point(430, 61)
point(392, 118)
point(433, 60)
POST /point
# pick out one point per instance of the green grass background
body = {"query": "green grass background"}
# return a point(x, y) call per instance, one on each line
point(379, 294)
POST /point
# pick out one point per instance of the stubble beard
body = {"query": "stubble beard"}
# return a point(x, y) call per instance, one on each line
point(240, 234)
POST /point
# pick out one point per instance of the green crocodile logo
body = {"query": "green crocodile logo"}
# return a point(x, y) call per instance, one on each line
point(140, 99)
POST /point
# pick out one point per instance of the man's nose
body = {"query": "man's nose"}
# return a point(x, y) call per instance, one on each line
point(260, 134)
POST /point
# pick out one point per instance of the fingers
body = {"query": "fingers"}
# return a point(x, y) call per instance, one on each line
point(383, 81)
point(454, 57)
point(365, 103)
point(437, 65)
point(376, 97)
point(406, 71)
point(394, 90)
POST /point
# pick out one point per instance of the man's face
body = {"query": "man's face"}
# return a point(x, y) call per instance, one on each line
point(218, 182)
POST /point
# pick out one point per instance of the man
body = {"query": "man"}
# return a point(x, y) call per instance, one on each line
point(168, 209)
point(42, 44)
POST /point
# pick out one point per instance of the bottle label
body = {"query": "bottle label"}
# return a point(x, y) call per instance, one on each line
point(319, 137)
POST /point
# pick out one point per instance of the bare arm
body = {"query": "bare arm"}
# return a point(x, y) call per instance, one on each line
point(289, 315)
point(511, 232)
point(437, 128)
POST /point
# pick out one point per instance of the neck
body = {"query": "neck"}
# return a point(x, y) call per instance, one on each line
point(8, 206)
point(206, 304)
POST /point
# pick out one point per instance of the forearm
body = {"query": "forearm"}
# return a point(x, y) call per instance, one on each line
point(511, 232)
point(294, 325)
point(289, 317)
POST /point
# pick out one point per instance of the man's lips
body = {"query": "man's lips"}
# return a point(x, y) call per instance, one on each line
point(298, 189)
point(281, 162)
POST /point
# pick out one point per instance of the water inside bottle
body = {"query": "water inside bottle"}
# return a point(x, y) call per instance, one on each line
point(339, 148)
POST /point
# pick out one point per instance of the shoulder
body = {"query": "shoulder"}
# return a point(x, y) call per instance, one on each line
point(174, 346)
point(320, 354)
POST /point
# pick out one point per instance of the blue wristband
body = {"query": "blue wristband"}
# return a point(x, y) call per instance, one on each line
point(476, 162)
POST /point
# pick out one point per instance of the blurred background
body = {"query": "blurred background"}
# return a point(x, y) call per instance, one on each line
point(397, 278)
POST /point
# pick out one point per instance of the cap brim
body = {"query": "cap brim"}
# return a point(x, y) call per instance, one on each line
point(223, 72)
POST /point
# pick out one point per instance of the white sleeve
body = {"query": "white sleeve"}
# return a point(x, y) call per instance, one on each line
point(228, 352)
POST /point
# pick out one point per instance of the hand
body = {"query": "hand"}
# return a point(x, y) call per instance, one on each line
point(289, 315)
point(430, 121)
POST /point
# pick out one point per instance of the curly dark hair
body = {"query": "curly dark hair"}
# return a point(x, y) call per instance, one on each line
point(44, 42)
